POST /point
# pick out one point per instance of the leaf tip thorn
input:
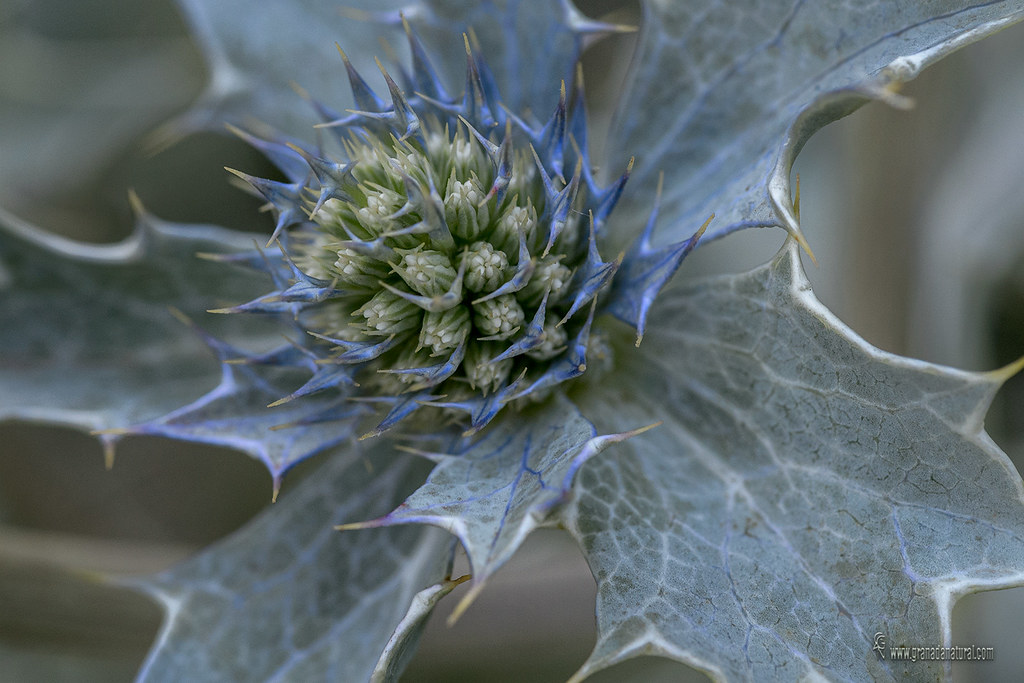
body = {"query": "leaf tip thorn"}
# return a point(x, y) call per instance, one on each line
point(464, 604)
point(108, 455)
point(1007, 371)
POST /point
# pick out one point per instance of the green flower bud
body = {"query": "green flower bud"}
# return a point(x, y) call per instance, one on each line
point(428, 272)
point(482, 374)
point(486, 267)
point(387, 313)
point(444, 331)
point(464, 209)
point(498, 318)
point(357, 271)
point(380, 204)
point(466, 157)
point(550, 276)
point(334, 212)
point(373, 163)
point(524, 179)
point(515, 220)
point(413, 164)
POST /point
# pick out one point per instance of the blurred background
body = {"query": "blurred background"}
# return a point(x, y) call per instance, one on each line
point(916, 218)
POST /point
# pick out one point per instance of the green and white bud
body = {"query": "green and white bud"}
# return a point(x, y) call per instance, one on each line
point(464, 209)
point(334, 212)
point(498, 318)
point(444, 331)
point(515, 220)
point(387, 313)
point(428, 272)
point(373, 163)
point(358, 271)
point(381, 203)
point(549, 277)
point(483, 375)
point(486, 267)
point(413, 164)
point(466, 157)
point(439, 146)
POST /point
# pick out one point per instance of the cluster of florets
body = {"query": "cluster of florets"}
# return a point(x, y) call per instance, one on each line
point(461, 282)
point(447, 259)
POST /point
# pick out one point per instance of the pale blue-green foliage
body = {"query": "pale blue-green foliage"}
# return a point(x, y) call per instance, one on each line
point(805, 492)
point(338, 599)
point(787, 508)
point(492, 491)
point(751, 82)
point(256, 57)
point(100, 314)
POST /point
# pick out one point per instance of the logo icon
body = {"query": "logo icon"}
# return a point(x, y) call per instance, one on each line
point(878, 645)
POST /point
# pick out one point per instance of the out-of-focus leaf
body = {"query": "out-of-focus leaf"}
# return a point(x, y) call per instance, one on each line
point(88, 337)
point(958, 283)
point(805, 492)
point(255, 54)
point(750, 82)
point(255, 57)
point(511, 34)
point(288, 598)
point(79, 82)
point(62, 624)
point(402, 646)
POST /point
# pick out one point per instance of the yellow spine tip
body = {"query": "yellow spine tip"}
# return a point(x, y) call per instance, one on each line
point(802, 241)
point(464, 604)
point(136, 203)
point(1007, 371)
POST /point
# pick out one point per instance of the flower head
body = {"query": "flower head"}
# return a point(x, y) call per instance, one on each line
point(447, 250)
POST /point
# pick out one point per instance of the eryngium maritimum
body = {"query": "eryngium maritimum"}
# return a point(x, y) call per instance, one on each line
point(448, 254)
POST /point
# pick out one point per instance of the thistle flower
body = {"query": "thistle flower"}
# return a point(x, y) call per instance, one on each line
point(447, 255)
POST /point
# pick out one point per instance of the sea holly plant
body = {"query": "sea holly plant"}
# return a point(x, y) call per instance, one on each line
point(481, 336)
